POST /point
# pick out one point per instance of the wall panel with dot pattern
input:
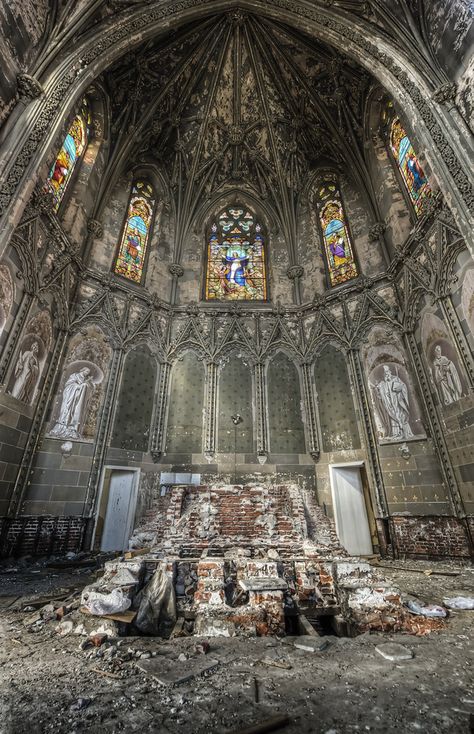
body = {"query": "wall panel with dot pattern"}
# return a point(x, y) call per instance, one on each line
point(284, 407)
point(135, 402)
point(336, 407)
point(235, 396)
point(186, 404)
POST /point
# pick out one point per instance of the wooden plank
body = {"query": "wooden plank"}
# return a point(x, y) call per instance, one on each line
point(126, 617)
point(272, 724)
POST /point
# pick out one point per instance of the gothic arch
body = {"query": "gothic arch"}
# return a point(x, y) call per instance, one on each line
point(411, 88)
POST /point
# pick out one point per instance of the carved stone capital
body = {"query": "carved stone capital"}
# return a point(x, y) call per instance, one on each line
point(445, 93)
point(295, 271)
point(29, 88)
point(95, 228)
point(192, 309)
point(176, 270)
point(156, 456)
point(262, 457)
point(376, 231)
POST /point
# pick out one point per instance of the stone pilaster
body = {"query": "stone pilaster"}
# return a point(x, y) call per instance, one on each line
point(310, 410)
point(159, 425)
point(210, 428)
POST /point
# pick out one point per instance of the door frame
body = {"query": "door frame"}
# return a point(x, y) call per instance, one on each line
point(356, 464)
point(133, 496)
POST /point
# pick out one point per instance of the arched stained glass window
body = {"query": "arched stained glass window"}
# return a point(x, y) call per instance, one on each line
point(410, 169)
point(236, 269)
point(337, 242)
point(136, 232)
point(72, 149)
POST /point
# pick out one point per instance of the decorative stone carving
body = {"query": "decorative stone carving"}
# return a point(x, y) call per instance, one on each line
point(80, 393)
point(26, 373)
point(31, 358)
point(95, 228)
point(29, 88)
point(236, 134)
point(176, 270)
point(75, 398)
point(395, 405)
point(445, 93)
point(295, 271)
point(442, 359)
point(6, 295)
point(376, 231)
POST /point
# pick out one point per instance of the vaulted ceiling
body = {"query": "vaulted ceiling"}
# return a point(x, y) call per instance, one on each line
point(238, 101)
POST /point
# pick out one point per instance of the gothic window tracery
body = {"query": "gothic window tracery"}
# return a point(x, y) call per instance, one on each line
point(411, 172)
point(130, 261)
point(70, 153)
point(236, 267)
point(338, 250)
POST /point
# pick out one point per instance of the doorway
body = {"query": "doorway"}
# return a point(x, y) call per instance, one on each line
point(350, 509)
point(118, 499)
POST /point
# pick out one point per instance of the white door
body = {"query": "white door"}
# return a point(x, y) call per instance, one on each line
point(350, 512)
point(120, 509)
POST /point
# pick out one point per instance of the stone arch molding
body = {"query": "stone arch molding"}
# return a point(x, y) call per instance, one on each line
point(448, 151)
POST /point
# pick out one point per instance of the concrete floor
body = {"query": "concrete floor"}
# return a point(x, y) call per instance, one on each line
point(348, 687)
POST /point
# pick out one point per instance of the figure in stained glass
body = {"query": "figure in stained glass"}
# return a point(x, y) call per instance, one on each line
point(340, 259)
point(409, 166)
point(71, 151)
point(131, 257)
point(236, 258)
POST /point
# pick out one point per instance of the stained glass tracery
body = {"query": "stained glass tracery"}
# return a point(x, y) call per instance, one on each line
point(133, 244)
point(409, 166)
point(236, 258)
point(337, 243)
point(72, 149)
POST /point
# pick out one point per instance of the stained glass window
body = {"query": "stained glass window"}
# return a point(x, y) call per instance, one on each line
point(337, 242)
point(412, 173)
point(236, 258)
point(71, 150)
point(131, 256)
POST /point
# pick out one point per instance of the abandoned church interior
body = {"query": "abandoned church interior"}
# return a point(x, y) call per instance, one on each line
point(236, 365)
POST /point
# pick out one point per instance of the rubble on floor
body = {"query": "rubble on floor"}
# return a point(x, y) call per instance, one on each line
point(93, 679)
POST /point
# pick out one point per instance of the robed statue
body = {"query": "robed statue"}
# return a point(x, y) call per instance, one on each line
point(26, 374)
point(446, 378)
point(75, 398)
point(392, 403)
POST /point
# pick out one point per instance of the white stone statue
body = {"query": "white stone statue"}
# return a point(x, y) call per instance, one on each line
point(446, 378)
point(76, 395)
point(26, 374)
point(391, 399)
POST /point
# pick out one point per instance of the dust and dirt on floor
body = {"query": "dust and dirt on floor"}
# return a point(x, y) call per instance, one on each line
point(53, 680)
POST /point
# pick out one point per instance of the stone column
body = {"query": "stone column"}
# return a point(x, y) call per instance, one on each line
point(159, 424)
point(210, 433)
point(42, 406)
point(365, 408)
point(261, 411)
point(435, 423)
point(102, 434)
point(310, 410)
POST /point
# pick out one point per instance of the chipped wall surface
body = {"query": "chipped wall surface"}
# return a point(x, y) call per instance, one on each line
point(450, 31)
point(22, 25)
